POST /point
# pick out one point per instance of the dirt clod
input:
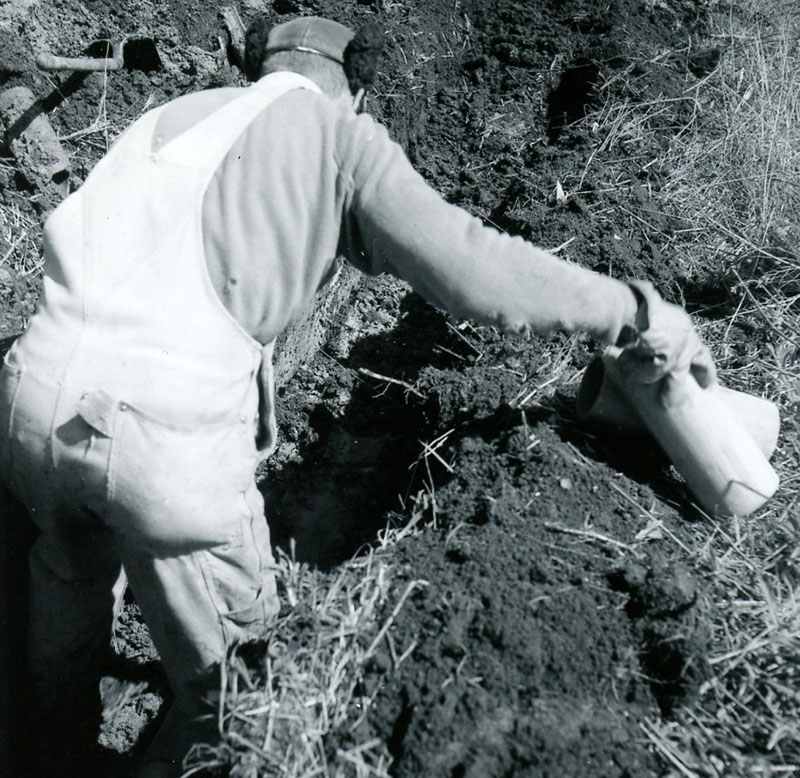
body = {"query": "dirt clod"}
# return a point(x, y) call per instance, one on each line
point(39, 155)
point(668, 590)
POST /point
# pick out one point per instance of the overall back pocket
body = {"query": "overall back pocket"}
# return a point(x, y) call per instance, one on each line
point(175, 489)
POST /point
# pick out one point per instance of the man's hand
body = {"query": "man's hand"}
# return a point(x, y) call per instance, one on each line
point(664, 346)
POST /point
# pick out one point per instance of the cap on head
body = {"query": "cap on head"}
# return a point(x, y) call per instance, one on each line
point(311, 34)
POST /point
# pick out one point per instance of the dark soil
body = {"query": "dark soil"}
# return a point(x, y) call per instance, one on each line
point(550, 626)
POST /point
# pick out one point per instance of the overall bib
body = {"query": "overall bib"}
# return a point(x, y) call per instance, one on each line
point(129, 413)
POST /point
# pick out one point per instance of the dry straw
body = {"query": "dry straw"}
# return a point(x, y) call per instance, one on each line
point(283, 702)
point(732, 188)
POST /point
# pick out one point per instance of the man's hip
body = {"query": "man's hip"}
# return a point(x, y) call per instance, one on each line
point(171, 487)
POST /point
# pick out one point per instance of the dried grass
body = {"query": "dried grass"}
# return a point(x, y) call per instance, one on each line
point(281, 701)
point(19, 252)
point(732, 186)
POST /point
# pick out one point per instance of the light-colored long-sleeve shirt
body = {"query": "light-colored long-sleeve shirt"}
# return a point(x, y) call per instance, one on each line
point(309, 180)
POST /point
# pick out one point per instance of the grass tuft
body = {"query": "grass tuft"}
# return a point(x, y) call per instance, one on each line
point(282, 698)
point(19, 252)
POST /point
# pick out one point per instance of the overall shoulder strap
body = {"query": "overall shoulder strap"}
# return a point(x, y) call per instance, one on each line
point(206, 143)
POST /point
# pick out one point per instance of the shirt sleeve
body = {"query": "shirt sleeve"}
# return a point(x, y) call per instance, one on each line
point(402, 226)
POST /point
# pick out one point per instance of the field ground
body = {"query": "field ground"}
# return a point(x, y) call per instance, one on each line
point(475, 584)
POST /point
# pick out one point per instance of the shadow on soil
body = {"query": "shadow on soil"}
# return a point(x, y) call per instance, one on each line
point(634, 454)
point(342, 483)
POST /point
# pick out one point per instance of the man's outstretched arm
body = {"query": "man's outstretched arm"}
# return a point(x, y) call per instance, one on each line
point(471, 270)
point(476, 272)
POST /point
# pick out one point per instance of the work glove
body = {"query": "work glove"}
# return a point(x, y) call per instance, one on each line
point(663, 346)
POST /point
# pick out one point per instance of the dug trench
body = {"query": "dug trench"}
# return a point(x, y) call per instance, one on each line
point(557, 617)
point(548, 628)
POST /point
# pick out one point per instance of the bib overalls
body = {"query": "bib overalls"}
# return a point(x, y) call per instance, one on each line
point(131, 409)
